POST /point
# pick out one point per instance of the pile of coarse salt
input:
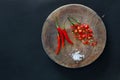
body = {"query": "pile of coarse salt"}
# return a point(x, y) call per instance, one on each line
point(77, 56)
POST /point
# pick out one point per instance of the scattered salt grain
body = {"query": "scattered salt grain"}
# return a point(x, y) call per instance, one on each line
point(76, 56)
point(103, 15)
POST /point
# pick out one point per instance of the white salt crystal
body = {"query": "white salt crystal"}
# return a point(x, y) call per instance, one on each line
point(76, 56)
point(103, 15)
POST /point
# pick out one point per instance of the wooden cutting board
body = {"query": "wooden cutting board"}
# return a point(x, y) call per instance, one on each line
point(84, 15)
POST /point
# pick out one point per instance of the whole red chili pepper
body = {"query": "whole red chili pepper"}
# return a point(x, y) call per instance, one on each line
point(61, 36)
point(66, 36)
point(58, 45)
point(60, 33)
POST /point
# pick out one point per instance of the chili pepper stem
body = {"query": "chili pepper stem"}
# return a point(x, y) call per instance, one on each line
point(64, 26)
point(70, 21)
point(56, 23)
point(74, 19)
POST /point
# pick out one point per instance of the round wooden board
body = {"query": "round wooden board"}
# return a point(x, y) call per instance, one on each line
point(84, 15)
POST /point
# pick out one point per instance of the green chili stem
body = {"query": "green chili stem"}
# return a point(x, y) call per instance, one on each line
point(64, 25)
point(56, 23)
point(74, 19)
point(70, 21)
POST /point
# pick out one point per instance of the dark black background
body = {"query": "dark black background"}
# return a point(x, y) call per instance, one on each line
point(21, 53)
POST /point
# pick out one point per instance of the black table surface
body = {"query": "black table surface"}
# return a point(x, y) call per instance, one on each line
point(21, 53)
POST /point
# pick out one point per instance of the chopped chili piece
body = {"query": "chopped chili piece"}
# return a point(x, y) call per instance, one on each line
point(90, 30)
point(86, 26)
point(94, 43)
point(78, 28)
point(86, 42)
point(75, 31)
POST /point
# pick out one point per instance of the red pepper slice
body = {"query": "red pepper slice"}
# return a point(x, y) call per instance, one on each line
point(94, 43)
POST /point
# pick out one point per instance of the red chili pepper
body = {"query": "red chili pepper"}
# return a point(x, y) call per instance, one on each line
point(58, 45)
point(66, 36)
point(60, 33)
point(61, 36)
